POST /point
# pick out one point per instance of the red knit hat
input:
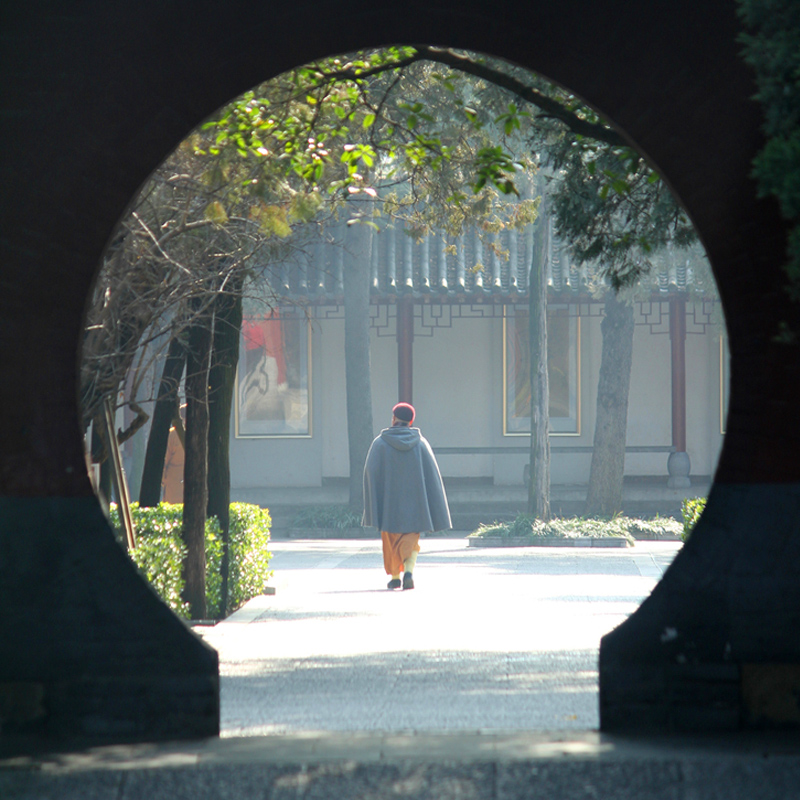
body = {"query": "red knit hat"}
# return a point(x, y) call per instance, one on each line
point(404, 412)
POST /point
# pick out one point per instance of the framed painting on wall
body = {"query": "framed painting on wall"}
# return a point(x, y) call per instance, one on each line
point(563, 371)
point(273, 382)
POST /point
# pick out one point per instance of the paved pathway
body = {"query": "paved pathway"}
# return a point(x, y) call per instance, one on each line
point(436, 693)
point(490, 640)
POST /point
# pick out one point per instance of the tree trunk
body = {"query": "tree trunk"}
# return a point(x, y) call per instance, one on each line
point(358, 380)
point(221, 380)
point(604, 497)
point(195, 487)
point(539, 478)
point(165, 410)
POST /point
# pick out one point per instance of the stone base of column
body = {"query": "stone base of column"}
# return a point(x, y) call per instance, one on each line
point(679, 466)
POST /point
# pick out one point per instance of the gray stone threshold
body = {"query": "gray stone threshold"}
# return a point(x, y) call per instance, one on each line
point(400, 746)
point(480, 766)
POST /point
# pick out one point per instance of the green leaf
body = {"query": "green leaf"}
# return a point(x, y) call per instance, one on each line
point(507, 187)
point(620, 186)
point(215, 212)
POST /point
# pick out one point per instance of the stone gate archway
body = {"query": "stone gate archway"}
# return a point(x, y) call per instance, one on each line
point(96, 95)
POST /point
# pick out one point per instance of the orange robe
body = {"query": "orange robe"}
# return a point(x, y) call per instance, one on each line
point(397, 547)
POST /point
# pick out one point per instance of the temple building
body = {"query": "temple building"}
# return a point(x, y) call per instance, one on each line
point(448, 327)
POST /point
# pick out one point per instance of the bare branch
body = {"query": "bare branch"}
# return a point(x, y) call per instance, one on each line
point(462, 63)
point(141, 418)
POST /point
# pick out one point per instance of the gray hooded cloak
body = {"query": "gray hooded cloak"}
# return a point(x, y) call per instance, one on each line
point(403, 488)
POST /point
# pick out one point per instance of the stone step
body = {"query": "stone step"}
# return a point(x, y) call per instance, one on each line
point(372, 765)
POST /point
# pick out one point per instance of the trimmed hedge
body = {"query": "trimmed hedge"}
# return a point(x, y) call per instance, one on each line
point(249, 555)
point(160, 551)
point(525, 526)
point(691, 509)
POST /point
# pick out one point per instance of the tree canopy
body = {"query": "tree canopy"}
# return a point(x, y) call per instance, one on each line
point(448, 125)
point(438, 137)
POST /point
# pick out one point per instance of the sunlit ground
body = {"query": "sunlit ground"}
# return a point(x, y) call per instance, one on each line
point(500, 639)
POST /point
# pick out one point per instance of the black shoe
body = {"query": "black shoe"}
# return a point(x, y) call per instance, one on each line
point(408, 581)
point(394, 583)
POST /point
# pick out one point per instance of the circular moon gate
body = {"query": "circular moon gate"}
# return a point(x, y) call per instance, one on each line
point(96, 97)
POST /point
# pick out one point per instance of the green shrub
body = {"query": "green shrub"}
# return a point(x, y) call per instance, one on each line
point(249, 555)
point(691, 509)
point(656, 527)
point(572, 527)
point(214, 550)
point(160, 551)
point(495, 529)
point(334, 516)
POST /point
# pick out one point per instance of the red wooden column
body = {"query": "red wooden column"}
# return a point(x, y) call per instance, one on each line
point(678, 464)
point(405, 341)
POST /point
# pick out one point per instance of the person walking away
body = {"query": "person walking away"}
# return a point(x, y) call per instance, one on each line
point(404, 494)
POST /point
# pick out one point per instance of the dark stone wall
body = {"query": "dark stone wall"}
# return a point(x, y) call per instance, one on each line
point(95, 94)
point(89, 651)
point(713, 647)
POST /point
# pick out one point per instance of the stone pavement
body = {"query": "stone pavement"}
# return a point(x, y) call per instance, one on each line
point(501, 639)
point(479, 684)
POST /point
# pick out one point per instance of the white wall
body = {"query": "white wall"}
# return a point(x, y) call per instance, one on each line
point(703, 436)
point(454, 395)
point(650, 402)
point(330, 405)
point(458, 393)
point(573, 468)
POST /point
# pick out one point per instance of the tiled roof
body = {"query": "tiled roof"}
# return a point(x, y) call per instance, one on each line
point(464, 266)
